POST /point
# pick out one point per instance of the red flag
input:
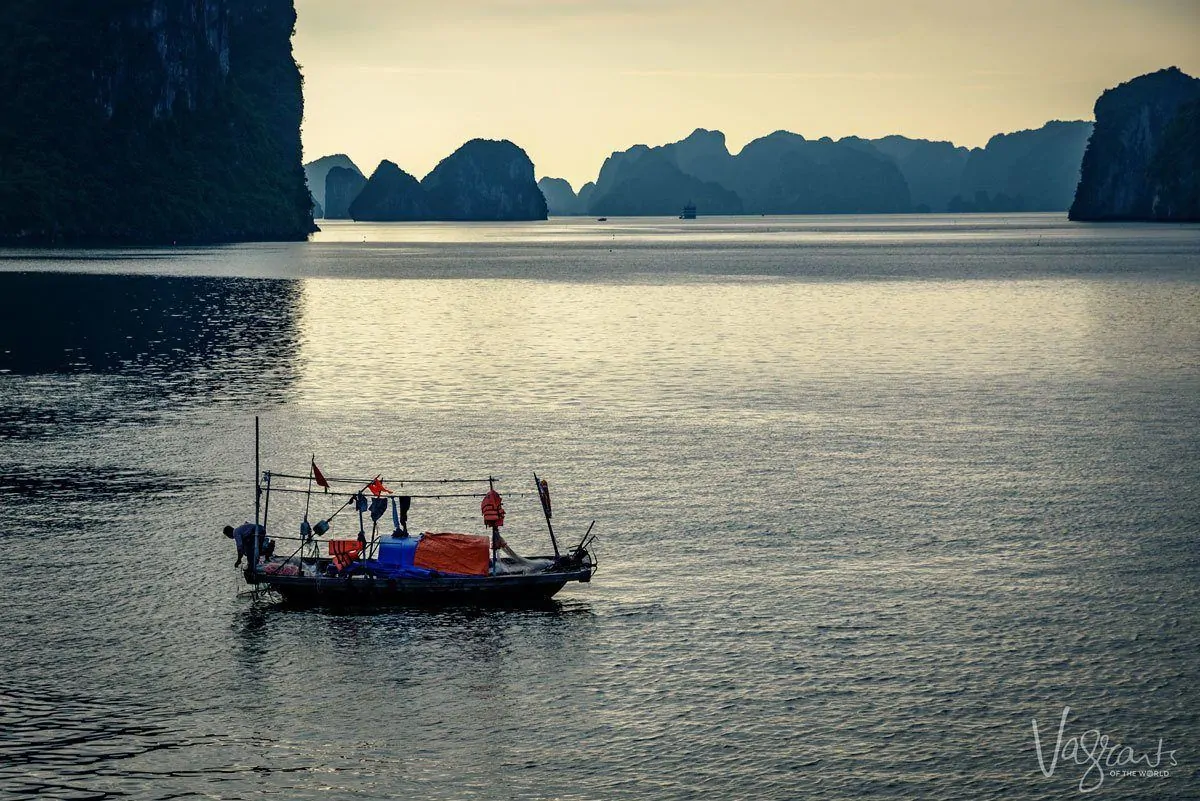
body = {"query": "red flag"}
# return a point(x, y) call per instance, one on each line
point(319, 477)
point(377, 487)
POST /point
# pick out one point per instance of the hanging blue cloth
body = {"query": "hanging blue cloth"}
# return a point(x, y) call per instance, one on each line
point(378, 508)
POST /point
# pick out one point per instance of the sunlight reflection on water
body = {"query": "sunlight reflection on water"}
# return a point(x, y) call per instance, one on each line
point(855, 532)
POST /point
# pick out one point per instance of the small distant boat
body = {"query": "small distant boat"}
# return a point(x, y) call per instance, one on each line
point(689, 212)
point(401, 567)
point(601, 219)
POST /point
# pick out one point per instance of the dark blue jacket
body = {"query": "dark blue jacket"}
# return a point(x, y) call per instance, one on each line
point(243, 536)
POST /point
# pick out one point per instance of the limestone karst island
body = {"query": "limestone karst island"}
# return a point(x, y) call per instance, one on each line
point(176, 121)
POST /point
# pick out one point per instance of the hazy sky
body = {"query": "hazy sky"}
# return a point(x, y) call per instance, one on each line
point(573, 80)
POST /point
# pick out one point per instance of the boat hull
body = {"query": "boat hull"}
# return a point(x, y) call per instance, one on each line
point(362, 590)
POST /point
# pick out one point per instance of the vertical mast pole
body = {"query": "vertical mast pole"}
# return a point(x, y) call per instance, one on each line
point(257, 503)
point(306, 532)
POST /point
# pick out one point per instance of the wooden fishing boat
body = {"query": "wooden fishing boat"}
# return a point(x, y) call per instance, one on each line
point(397, 566)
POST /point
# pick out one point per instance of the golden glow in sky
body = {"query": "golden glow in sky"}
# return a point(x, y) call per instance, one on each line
point(571, 81)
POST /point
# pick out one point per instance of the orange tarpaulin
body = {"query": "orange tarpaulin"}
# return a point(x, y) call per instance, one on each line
point(343, 552)
point(464, 554)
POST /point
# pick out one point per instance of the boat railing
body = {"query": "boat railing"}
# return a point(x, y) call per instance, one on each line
point(272, 483)
point(350, 489)
point(397, 481)
point(397, 494)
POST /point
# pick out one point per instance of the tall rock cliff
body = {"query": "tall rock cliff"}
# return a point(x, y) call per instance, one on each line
point(150, 121)
point(1175, 170)
point(1141, 162)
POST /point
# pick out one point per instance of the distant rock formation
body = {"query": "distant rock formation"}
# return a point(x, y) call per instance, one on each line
point(1141, 162)
point(342, 185)
point(316, 172)
point(704, 154)
point(150, 122)
point(782, 173)
point(933, 170)
point(1034, 170)
point(585, 196)
point(660, 180)
point(561, 200)
point(390, 195)
point(485, 179)
point(646, 181)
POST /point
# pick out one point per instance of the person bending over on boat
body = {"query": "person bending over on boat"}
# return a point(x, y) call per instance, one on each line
point(243, 537)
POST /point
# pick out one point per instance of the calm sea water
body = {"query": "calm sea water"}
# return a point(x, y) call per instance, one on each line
point(873, 494)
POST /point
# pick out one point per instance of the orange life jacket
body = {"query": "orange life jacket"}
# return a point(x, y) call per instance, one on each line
point(344, 552)
point(493, 510)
